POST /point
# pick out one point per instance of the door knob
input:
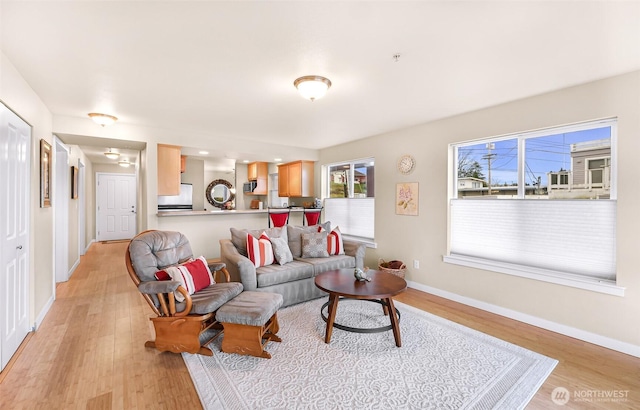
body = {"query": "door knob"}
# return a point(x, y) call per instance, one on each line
point(19, 247)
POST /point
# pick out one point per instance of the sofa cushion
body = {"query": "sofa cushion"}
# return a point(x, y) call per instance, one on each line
point(281, 250)
point(260, 251)
point(277, 274)
point(294, 234)
point(239, 236)
point(332, 262)
point(314, 245)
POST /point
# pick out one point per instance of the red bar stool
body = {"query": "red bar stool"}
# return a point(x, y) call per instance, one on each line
point(279, 217)
point(311, 216)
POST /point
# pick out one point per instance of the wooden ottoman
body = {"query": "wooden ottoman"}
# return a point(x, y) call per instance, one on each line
point(250, 320)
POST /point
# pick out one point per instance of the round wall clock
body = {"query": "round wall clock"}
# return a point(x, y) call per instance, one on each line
point(406, 163)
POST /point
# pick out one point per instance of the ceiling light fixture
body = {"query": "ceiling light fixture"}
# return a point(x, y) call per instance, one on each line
point(111, 155)
point(102, 119)
point(124, 163)
point(312, 87)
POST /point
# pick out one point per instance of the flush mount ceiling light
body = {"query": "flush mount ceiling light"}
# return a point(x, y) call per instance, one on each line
point(102, 119)
point(111, 155)
point(124, 163)
point(312, 87)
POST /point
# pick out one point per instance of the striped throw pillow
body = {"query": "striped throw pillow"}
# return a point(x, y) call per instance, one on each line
point(260, 251)
point(193, 276)
point(334, 241)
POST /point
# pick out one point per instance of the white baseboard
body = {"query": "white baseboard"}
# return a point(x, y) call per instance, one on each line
point(73, 268)
point(89, 245)
point(43, 313)
point(589, 337)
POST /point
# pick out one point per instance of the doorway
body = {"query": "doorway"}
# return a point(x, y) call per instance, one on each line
point(116, 206)
point(82, 203)
point(61, 194)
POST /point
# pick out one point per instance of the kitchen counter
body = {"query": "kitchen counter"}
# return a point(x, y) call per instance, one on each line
point(220, 212)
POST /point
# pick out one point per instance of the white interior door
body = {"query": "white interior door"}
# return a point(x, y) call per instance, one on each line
point(116, 201)
point(15, 145)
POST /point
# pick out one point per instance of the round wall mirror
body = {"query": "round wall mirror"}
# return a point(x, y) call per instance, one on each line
point(219, 193)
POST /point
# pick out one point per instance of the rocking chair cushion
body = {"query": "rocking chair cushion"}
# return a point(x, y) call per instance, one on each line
point(156, 250)
point(211, 298)
point(154, 287)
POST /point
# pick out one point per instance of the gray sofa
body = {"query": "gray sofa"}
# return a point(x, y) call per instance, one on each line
point(293, 280)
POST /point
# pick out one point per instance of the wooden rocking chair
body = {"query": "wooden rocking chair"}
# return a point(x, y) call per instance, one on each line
point(178, 325)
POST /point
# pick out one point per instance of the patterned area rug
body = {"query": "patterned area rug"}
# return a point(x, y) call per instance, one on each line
point(441, 365)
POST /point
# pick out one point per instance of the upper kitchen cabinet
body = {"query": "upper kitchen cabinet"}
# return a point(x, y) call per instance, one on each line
point(295, 179)
point(256, 170)
point(168, 169)
point(259, 172)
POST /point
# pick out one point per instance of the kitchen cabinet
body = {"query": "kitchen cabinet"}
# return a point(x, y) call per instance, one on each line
point(183, 163)
point(295, 179)
point(259, 172)
point(168, 169)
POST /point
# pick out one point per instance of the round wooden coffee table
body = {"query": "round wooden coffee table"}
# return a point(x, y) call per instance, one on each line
point(341, 284)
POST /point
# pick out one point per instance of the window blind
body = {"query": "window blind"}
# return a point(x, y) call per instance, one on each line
point(354, 216)
point(573, 236)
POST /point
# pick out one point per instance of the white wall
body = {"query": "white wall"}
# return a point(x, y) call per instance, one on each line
point(16, 94)
point(424, 237)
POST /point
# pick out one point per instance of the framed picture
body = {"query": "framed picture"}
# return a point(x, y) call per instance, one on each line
point(74, 182)
point(407, 198)
point(45, 174)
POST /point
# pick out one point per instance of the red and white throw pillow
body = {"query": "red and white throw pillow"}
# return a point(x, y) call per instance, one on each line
point(260, 251)
point(334, 241)
point(193, 276)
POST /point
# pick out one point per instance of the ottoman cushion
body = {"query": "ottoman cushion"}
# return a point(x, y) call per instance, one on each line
point(250, 308)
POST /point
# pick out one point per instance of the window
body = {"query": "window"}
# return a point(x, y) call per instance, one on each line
point(352, 179)
point(533, 219)
point(350, 192)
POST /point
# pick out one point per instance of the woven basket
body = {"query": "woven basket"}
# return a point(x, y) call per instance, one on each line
point(383, 267)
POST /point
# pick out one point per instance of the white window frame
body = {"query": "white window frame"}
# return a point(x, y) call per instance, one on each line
point(516, 267)
point(589, 171)
point(341, 209)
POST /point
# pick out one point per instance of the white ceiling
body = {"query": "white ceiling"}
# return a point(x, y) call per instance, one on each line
point(226, 69)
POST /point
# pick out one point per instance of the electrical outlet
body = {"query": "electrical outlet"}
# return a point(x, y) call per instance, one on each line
point(416, 264)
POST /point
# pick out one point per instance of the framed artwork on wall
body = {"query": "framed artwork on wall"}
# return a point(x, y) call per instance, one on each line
point(45, 174)
point(74, 182)
point(407, 198)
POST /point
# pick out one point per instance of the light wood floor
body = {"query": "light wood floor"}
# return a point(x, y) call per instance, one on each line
point(89, 351)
